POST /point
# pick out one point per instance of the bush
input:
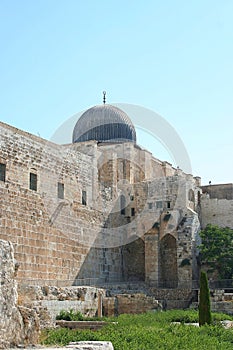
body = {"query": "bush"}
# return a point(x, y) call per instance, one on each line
point(70, 315)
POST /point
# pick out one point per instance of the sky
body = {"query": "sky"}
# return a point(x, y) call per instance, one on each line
point(172, 57)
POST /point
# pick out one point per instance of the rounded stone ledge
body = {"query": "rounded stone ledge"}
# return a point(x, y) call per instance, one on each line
point(91, 345)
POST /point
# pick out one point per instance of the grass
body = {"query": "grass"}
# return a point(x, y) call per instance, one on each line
point(152, 331)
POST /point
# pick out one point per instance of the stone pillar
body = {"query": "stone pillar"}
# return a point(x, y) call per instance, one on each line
point(151, 258)
point(100, 304)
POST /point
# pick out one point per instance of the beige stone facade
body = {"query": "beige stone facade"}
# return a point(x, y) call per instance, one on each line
point(94, 213)
point(217, 205)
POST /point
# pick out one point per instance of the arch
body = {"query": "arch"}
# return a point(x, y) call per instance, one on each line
point(134, 260)
point(168, 272)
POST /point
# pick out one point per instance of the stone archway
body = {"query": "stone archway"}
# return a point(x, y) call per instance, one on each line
point(168, 272)
point(134, 260)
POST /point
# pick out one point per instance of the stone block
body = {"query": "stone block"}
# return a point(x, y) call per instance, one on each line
point(91, 345)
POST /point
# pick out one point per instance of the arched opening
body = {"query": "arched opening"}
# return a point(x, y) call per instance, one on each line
point(134, 260)
point(168, 273)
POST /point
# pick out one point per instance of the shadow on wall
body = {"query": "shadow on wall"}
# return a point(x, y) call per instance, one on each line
point(168, 273)
point(117, 264)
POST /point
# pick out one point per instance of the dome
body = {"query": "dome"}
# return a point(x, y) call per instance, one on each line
point(104, 123)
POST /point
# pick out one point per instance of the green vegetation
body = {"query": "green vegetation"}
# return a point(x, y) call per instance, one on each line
point(204, 304)
point(152, 331)
point(70, 315)
point(216, 250)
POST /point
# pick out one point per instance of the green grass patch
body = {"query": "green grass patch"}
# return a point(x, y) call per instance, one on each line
point(152, 331)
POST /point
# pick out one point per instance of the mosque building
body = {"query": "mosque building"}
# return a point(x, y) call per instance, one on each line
point(102, 209)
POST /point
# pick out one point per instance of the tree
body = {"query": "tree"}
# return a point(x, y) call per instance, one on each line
point(216, 250)
point(204, 301)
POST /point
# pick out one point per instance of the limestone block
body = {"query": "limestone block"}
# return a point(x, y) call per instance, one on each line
point(10, 321)
point(91, 345)
point(17, 326)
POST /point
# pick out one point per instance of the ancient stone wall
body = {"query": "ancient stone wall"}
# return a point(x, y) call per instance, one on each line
point(73, 227)
point(86, 300)
point(129, 304)
point(222, 191)
point(52, 236)
point(216, 211)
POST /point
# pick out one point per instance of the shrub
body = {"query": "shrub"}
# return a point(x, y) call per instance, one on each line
point(204, 302)
point(70, 315)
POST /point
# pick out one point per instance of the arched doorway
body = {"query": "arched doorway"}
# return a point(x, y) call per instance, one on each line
point(168, 274)
point(134, 260)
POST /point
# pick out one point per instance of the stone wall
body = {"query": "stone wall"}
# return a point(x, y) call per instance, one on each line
point(54, 239)
point(86, 237)
point(221, 191)
point(129, 304)
point(216, 212)
point(174, 298)
point(86, 300)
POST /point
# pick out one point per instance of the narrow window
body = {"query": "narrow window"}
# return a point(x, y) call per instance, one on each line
point(168, 205)
point(33, 182)
point(84, 198)
point(60, 190)
point(124, 169)
point(122, 203)
point(2, 172)
point(150, 205)
point(131, 198)
point(132, 211)
point(199, 197)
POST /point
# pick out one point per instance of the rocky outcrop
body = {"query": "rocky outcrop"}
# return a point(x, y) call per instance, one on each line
point(18, 325)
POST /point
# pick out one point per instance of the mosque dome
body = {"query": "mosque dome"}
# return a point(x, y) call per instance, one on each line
point(104, 123)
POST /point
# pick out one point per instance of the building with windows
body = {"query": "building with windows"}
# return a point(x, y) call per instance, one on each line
point(101, 209)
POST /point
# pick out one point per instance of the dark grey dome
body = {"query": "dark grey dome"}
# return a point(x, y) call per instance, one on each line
point(104, 123)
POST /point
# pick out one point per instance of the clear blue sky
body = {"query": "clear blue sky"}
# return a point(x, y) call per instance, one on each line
point(173, 57)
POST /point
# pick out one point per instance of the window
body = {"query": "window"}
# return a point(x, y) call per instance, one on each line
point(168, 205)
point(60, 190)
point(132, 211)
point(84, 198)
point(122, 204)
point(149, 205)
point(199, 197)
point(131, 198)
point(2, 172)
point(159, 204)
point(124, 169)
point(33, 182)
